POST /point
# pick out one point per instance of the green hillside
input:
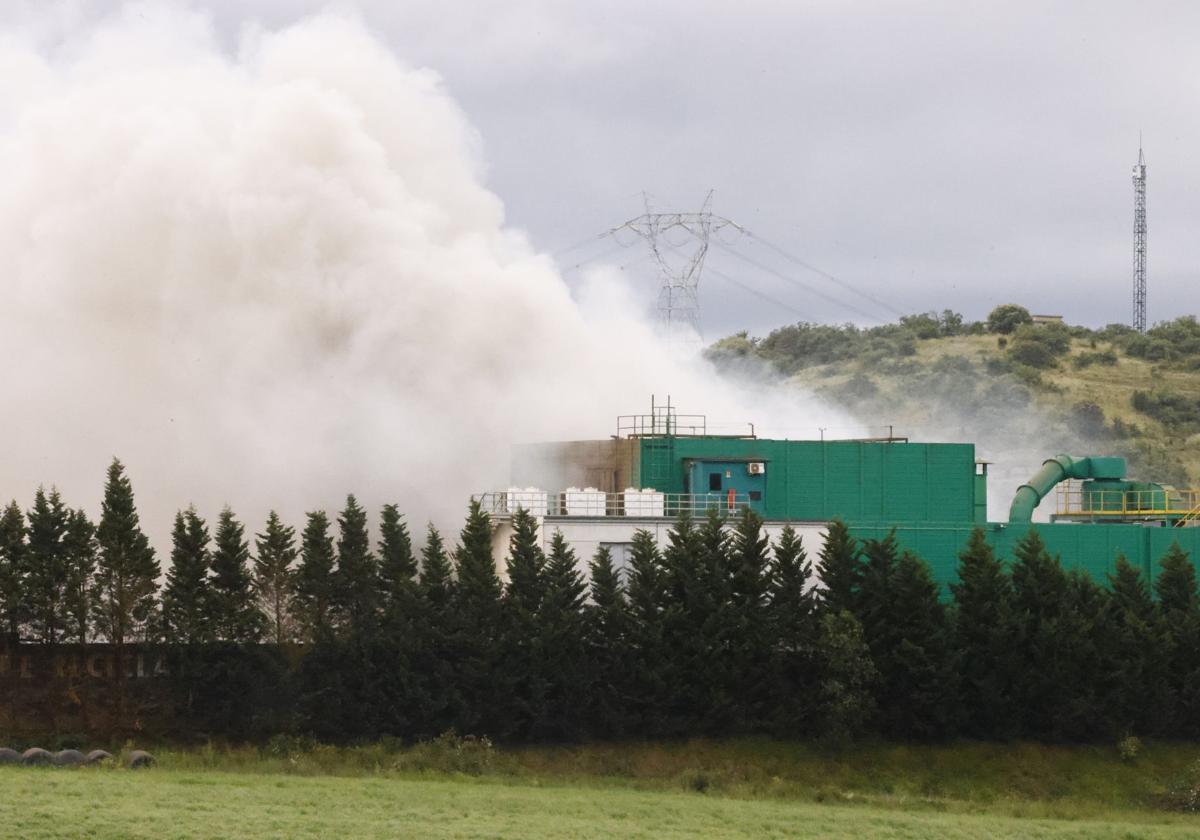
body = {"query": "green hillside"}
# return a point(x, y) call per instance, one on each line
point(1020, 390)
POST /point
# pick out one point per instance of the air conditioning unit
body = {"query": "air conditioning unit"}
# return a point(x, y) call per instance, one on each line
point(756, 468)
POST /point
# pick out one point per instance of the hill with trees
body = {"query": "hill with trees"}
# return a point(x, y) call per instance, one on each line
point(1009, 384)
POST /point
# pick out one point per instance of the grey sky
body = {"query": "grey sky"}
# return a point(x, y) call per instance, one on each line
point(936, 155)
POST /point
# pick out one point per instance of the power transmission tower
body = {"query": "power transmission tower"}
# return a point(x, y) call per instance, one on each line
point(679, 291)
point(1139, 243)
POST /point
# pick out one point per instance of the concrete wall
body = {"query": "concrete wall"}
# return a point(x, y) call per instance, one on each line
point(586, 534)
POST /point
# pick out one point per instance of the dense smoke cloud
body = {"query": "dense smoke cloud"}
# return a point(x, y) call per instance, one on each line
point(272, 276)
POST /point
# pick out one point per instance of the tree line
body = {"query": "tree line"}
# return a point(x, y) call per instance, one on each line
point(718, 631)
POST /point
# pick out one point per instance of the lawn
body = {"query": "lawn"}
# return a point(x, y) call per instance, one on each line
point(748, 787)
point(187, 802)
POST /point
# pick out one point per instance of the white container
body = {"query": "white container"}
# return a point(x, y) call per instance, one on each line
point(586, 502)
point(647, 502)
point(531, 499)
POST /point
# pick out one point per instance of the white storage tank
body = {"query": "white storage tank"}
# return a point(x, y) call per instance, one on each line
point(529, 498)
point(586, 502)
point(645, 502)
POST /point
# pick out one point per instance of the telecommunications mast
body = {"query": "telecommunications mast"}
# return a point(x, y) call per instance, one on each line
point(1139, 243)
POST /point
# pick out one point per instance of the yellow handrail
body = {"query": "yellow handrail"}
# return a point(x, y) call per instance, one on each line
point(1190, 516)
point(1073, 500)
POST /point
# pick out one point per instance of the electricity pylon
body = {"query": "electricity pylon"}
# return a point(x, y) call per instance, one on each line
point(679, 290)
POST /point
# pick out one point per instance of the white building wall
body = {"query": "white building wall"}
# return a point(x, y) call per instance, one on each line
point(586, 534)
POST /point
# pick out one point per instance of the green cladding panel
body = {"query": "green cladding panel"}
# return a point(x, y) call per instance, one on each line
point(1093, 548)
point(817, 480)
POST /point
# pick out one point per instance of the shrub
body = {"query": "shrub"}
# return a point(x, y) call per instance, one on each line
point(1184, 793)
point(1128, 748)
point(924, 325)
point(1177, 411)
point(1005, 318)
point(1033, 354)
point(449, 753)
point(1087, 420)
point(1101, 357)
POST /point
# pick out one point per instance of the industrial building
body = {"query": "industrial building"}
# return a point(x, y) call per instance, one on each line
point(599, 492)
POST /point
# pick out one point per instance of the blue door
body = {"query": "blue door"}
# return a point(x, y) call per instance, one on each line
point(728, 485)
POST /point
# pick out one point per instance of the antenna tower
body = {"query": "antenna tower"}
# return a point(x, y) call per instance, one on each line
point(679, 290)
point(1139, 243)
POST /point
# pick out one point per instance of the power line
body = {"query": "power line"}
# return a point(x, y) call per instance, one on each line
point(762, 295)
point(591, 239)
point(831, 278)
point(810, 289)
point(599, 256)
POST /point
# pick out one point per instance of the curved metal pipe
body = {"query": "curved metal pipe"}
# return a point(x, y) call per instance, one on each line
point(1054, 470)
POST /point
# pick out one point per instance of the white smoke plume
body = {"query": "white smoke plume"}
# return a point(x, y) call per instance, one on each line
point(273, 275)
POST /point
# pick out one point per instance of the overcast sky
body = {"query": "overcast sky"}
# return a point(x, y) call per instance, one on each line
point(929, 154)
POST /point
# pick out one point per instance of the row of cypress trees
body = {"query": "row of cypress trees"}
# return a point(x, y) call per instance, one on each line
point(716, 632)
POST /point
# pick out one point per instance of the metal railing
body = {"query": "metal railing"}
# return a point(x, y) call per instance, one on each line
point(1074, 500)
point(662, 424)
point(1192, 518)
point(649, 505)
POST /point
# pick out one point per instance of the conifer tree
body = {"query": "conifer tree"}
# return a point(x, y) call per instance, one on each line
point(233, 606)
point(397, 568)
point(907, 631)
point(840, 569)
point(696, 672)
point(357, 576)
point(1041, 596)
point(274, 578)
point(647, 593)
point(314, 578)
point(1136, 657)
point(1084, 641)
point(874, 599)
point(13, 571)
point(437, 581)
point(525, 563)
point(525, 675)
point(1176, 584)
point(1179, 609)
point(747, 625)
point(984, 637)
point(186, 610)
point(47, 566)
point(478, 587)
point(794, 626)
point(847, 677)
point(476, 613)
point(81, 596)
point(126, 569)
point(436, 645)
point(561, 628)
point(919, 696)
point(607, 639)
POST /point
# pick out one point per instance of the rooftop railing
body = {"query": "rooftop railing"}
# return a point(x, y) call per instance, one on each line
point(1075, 501)
point(595, 503)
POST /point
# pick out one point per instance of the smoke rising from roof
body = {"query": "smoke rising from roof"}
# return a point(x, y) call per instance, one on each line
point(275, 276)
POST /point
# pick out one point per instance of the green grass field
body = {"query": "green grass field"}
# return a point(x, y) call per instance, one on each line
point(165, 803)
point(747, 788)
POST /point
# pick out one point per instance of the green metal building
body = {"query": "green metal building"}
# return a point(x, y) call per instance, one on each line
point(931, 494)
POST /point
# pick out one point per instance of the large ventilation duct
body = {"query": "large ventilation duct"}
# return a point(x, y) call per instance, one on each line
point(1054, 470)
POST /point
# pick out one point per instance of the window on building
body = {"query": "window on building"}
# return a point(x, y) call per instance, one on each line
point(714, 481)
